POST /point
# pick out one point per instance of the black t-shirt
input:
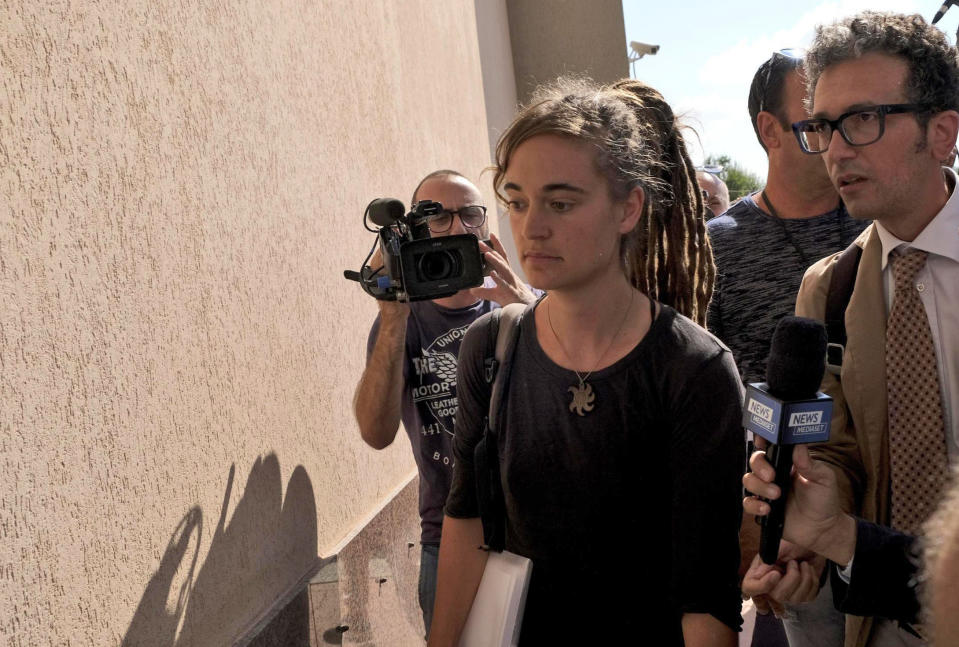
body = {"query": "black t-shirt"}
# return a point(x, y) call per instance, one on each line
point(631, 512)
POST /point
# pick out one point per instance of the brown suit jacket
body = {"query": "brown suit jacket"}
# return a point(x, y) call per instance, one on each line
point(859, 443)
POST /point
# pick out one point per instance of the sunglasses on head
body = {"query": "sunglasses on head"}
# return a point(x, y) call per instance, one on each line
point(793, 54)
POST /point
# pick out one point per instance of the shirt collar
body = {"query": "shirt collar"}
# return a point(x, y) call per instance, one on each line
point(941, 235)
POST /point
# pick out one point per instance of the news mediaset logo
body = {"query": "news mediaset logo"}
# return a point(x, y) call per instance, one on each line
point(805, 418)
point(757, 408)
point(762, 415)
point(806, 422)
point(782, 421)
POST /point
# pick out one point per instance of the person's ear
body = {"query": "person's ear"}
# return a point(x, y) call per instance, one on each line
point(941, 133)
point(770, 130)
point(632, 209)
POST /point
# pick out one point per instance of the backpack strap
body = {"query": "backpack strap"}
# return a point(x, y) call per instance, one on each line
point(505, 344)
point(503, 331)
point(841, 285)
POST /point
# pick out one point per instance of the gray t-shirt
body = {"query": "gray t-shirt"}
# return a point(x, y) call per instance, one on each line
point(631, 512)
point(433, 337)
point(759, 270)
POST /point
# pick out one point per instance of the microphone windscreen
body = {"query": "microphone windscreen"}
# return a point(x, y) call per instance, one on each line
point(385, 211)
point(797, 358)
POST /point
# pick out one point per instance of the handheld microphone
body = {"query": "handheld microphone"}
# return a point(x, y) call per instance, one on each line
point(942, 10)
point(788, 410)
point(385, 211)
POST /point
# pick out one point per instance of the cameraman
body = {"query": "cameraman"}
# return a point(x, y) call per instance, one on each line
point(411, 362)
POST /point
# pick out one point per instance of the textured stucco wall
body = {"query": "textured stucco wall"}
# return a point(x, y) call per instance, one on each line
point(181, 186)
point(555, 37)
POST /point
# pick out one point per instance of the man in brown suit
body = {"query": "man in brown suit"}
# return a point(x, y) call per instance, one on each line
point(885, 92)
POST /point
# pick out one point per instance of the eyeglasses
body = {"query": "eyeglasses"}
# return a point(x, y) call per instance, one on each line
point(857, 127)
point(792, 54)
point(472, 216)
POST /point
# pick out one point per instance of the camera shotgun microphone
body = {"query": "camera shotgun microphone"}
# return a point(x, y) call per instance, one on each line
point(386, 211)
point(788, 410)
point(942, 10)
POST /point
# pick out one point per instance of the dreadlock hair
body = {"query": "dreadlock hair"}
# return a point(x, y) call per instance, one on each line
point(672, 259)
point(639, 144)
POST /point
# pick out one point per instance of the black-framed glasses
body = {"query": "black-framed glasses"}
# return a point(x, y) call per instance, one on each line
point(792, 54)
point(858, 127)
point(472, 216)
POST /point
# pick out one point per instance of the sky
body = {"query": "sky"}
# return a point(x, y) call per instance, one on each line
point(709, 52)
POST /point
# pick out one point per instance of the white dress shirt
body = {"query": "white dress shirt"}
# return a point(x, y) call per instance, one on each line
point(938, 285)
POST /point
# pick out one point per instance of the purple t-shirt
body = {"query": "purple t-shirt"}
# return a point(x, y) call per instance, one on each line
point(433, 336)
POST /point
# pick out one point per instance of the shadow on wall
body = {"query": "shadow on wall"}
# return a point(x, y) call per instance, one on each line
point(268, 546)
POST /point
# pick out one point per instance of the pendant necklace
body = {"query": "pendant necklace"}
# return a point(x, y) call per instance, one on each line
point(583, 397)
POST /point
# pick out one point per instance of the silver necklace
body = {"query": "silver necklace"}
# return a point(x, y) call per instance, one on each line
point(583, 397)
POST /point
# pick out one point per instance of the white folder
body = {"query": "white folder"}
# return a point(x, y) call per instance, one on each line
point(497, 612)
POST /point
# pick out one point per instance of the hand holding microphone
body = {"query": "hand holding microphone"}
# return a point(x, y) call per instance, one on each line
point(814, 518)
point(787, 410)
point(813, 521)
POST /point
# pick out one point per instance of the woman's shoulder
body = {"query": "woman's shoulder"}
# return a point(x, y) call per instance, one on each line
point(682, 342)
point(695, 369)
point(480, 338)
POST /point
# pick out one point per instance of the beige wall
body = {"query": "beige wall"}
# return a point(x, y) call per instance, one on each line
point(181, 186)
point(555, 37)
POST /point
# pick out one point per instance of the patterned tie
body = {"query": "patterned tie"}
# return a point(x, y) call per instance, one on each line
point(917, 436)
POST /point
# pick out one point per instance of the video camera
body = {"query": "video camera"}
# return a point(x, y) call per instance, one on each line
point(415, 266)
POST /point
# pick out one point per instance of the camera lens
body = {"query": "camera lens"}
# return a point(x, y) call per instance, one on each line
point(437, 266)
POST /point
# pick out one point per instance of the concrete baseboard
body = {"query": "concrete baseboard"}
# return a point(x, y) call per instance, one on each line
point(364, 595)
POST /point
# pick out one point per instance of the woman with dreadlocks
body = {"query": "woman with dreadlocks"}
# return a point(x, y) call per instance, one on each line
point(620, 449)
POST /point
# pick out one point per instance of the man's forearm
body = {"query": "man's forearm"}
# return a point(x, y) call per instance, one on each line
point(379, 394)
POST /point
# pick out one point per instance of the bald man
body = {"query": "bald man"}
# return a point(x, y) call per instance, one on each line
point(715, 193)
